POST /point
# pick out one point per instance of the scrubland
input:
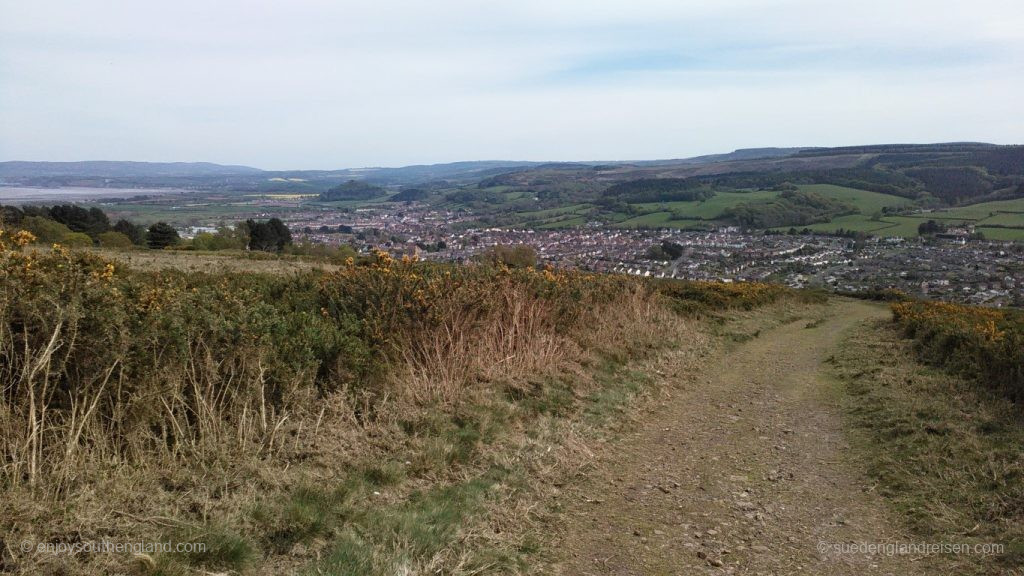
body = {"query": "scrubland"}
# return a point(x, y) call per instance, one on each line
point(383, 417)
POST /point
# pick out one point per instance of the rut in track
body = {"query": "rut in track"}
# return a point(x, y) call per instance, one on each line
point(743, 470)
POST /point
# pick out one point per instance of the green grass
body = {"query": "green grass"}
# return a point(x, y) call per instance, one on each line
point(563, 222)
point(1003, 234)
point(349, 203)
point(903, 226)
point(855, 222)
point(619, 386)
point(867, 202)
point(550, 212)
point(189, 211)
point(678, 214)
point(1004, 219)
point(225, 548)
point(709, 209)
point(647, 220)
point(1001, 213)
point(981, 211)
point(714, 207)
point(516, 195)
point(408, 536)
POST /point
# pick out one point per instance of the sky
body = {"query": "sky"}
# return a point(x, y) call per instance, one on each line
point(304, 84)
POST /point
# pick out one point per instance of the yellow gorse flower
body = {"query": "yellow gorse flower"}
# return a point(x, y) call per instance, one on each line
point(23, 238)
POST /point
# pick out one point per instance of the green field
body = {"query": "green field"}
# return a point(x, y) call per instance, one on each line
point(867, 202)
point(711, 208)
point(869, 219)
point(551, 212)
point(191, 213)
point(653, 219)
point(562, 217)
point(350, 203)
point(1004, 219)
point(683, 214)
point(982, 211)
point(1006, 234)
point(855, 222)
point(1000, 213)
point(564, 223)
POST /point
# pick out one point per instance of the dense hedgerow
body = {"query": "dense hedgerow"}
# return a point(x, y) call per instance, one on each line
point(983, 343)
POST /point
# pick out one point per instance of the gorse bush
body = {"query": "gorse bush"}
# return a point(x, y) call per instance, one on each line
point(720, 295)
point(983, 343)
point(113, 366)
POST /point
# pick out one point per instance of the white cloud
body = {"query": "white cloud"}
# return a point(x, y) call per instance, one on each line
point(312, 83)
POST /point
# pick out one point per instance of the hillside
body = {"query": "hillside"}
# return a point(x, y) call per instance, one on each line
point(951, 173)
point(392, 416)
point(352, 190)
point(879, 181)
point(892, 189)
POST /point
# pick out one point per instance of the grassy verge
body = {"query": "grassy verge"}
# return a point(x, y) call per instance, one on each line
point(948, 455)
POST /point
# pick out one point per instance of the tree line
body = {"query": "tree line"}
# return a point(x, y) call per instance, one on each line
point(77, 226)
point(789, 209)
point(646, 190)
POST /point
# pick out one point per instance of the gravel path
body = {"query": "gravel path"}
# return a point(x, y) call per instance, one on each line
point(744, 470)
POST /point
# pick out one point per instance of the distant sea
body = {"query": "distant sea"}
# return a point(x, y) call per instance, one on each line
point(24, 195)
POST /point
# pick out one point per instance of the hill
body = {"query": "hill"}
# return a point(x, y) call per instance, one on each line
point(790, 208)
point(890, 187)
point(352, 190)
point(883, 183)
point(215, 177)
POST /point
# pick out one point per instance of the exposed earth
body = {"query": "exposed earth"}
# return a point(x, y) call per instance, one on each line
point(740, 469)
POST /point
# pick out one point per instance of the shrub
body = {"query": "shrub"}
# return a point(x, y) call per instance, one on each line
point(114, 240)
point(322, 252)
point(513, 256)
point(135, 232)
point(161, 235)
point(983, 343)
point(720, 295)
point(46, 230)
point(77, 240)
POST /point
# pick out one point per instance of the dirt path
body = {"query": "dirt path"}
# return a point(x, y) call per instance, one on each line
point(743, 470)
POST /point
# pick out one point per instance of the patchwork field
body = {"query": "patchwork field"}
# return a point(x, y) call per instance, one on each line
point(1000, 220)
point(867, 202)
point(683, 214)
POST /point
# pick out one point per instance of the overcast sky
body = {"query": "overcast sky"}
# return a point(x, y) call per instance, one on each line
point(333, 84)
